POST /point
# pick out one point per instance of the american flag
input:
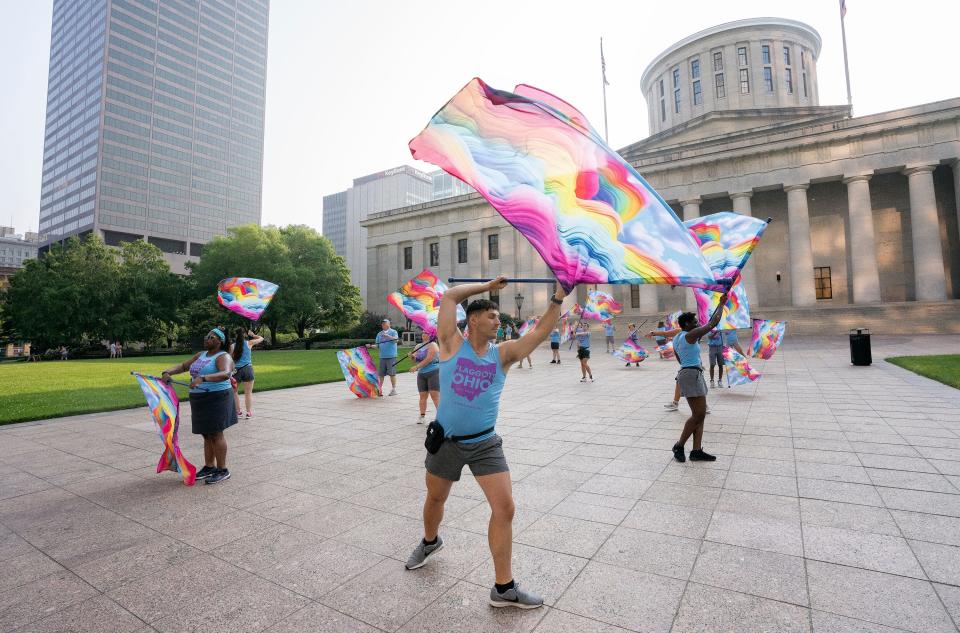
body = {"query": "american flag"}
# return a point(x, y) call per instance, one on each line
point(603, 64)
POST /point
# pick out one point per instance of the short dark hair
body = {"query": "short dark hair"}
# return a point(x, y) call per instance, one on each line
point(687, 318)
point(481, 305)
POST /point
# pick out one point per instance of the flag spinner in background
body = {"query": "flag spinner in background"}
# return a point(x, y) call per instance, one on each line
point(246, 296)
point(767, 337)
point(541, 165)
point(164, 406)
point(359, 372)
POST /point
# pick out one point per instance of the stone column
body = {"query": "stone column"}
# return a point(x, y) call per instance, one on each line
point(508, 257)
point(649, 301)
point(691, 210)
point(801, 252)
point(394, 266)
point(418, 246)
point(741, 205)
point(863, 256)
point(475, 248)
point(929, 280)
point(955, 166)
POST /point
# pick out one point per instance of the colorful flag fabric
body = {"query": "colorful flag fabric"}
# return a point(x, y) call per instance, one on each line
point(737, 368)
point(726, 240)
point(767, 336)
point(666, 350)
point(566, 328)
point(164, 406)
point(631, 352)
point(600, 306)
point(359, 372)
point(736, 312)
point(672, 322)
point(419, 300)
point(527, 326)
point(246, 296)
point(540, 164)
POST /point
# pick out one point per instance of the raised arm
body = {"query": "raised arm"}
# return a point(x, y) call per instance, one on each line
point(697, 333)
point(513, 351)
point(256, 340)
point(448, 335)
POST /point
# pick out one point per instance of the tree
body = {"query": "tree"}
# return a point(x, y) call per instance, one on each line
point(148, 294)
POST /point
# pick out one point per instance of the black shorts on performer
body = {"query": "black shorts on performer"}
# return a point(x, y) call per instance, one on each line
point(583, 353)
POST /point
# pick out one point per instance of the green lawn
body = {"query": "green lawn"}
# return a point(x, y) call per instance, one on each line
point(945, 369)
point(33, 391)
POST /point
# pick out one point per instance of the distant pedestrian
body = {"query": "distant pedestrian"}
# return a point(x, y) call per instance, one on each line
point(499, 334)
point(427, 368)
point(715, 354)
point(583, 351)
point(64, 352)
point(211, 402)
point(555, 345)
point(119, 350)
point(113, 349)
point(608, 331)
point(508, 332)
point(240, 351)
point(386, 341)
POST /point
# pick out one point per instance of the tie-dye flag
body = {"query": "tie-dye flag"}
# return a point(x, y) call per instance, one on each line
point(631, 352)
point(165, 408)
point(726, 239)
point(736, 313)
point(527, 326)
point(767, 336)
point(359, 372)
point(666, 350)
point(672, 322)
point(566, 328)
point(600, 306)
point(737, 368)
point(419, 300)
point(246, 296)
point(538, 162)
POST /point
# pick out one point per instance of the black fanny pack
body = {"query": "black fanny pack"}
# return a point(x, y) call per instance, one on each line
point(434, 439)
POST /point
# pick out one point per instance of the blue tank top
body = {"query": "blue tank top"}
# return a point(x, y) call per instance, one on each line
point(430, 367)
point(204, 366)
point(470, 388)
point(555, 336)
point(245, 356)
point(688, 354)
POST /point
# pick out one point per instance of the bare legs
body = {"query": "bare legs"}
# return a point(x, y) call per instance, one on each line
point(694, 424)
point(434, 395)
point(215, 450)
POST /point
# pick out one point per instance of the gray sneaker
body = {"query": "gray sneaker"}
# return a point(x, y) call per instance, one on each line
point(423, 553)
point(515, 597)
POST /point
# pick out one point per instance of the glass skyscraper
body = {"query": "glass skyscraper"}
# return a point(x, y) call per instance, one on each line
point(154, 126)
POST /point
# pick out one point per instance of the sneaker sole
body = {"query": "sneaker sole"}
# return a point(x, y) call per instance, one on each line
point(425, 559)
point(516, 605)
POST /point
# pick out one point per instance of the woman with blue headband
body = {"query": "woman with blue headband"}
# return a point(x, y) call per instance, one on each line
point(211, 401)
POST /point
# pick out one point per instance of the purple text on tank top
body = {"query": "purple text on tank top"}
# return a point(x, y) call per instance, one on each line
point(471, 379)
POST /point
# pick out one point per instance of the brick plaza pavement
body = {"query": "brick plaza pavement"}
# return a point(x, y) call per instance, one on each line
point(834, 506)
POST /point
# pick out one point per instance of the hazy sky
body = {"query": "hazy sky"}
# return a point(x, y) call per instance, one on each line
point(349, 83)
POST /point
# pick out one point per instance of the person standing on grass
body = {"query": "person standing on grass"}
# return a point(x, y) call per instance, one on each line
point(555, 344)
point(686, 346)
point(715, 354)
point(472, 375)
point(113, 349)
point(427, 368)
point(119, 350)
point(583, 351)
point(211, 402)
point(608, 331)
point(387, 342)
point(240, 351)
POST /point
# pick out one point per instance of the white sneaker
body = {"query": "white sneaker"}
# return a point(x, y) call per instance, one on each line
point(672, 406)
point(711, 384)
point(393, 392)
point(708, 409)
point(583, 380)
point(421, 419)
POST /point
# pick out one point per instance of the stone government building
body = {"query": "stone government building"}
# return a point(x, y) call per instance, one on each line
point(865, 231)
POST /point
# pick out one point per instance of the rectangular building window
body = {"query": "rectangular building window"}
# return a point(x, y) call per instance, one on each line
point(493, 246)
point(663, 109)
point(744, 81)
point(768, 78)
point(462, 251)
point(434, 253)
point(695, 69)
point(804, 84)
point(721, 89)
point(718, 61)
point(676, 100)
point(407, 257)
point(634, 296)
point(742, 55)
point(786, 55)
point(697, 94)
point(495, 296)
point(661, 87)
point(803, 60)
point(822, 283)
point(765, 54)
point(676, 77)
point(788, 79)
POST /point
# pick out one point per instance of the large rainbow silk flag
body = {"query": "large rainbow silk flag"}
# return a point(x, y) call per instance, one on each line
point(246, 296)
point(419, 301)
point(538, 162)
point(737, 368)
point(736, 313)
point(359, 372)
point(767, 337)
point(631, 352)
point(600, 306)
point(726, 240)
point(164, 406)
point(527, 326)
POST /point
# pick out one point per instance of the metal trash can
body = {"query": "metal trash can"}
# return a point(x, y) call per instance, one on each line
point(860, 347)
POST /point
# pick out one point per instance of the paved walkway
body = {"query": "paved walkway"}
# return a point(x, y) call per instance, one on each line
point(834, 506)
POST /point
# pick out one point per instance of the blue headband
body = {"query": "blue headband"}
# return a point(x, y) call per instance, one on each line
point(220, 334)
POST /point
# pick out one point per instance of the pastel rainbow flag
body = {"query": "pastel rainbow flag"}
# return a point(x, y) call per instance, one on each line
point(600, 306)
point(767, 337)
point(737, 368)
point(359, 372)
point(419, 301)
point(527, 326)
point(164, 406)
point(631, 352)
point(726, 240)
point(736, 313)
point(246, 296)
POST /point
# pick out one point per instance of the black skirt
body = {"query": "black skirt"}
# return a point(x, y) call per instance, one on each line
point(212, 412)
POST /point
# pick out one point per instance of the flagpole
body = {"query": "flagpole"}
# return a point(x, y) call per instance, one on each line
point(846, 64)
point(603, 72)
